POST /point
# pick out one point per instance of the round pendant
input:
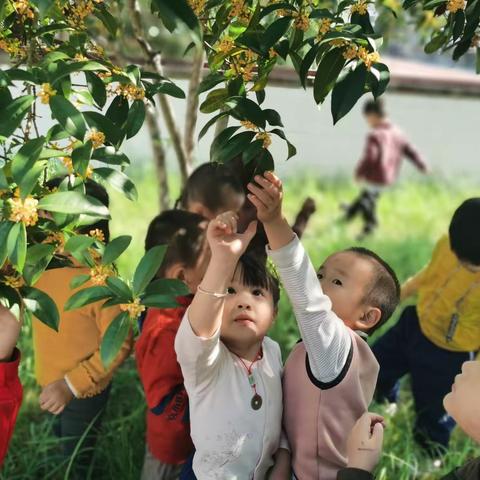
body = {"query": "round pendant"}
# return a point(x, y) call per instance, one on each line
point(256, 402)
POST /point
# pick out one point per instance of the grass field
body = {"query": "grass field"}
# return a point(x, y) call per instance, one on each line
point(412, 215)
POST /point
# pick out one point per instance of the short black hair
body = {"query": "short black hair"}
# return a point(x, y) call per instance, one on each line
point(95, 190)
point(254, 272)
point(184, 234)
point(377, 107)
point(384, 291)
point(464, 231)
point(209, 184)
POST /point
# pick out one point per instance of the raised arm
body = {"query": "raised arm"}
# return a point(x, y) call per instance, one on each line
point(226, 245)
point(326, 338)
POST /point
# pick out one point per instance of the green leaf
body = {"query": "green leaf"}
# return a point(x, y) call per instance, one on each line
point(461, 49)
point(107, 19)
point(73, 203)
point(148, 268)
point(97, 89)
point(233, 147)
point(307, 63)
point(87, 296)
point(221, 138)
point(327, 74)
point(273, 117)
point(215, 100)
point(42, 306)
point(347, 91)
point(115, 248)
point(435, 43)
point(135, 119)
point(111, 156)
point(4, 185)
point(167, 286)
point(210, 81)
point(78, 244)
point(37, 261)
point(252, 151)
point(264, 163)
point(20, 75)
point(275, 32)
point(78, 281)
point(159, 301)
point(165, 88)
point(5, 228)
point(57, 133)
point(458, 25)
point(113, 135)
point(247, 109)
point(66, 69)
point(212, 121)
point(81, 158)
point(477, 63)
point(292, 151)
point(19, 252)
point(117, 180)
point(173, 12)
point(120, 288)
point(118, 111)
point(68, 117)
point(115, 336)
point(25, 169)
point(14, 113)
point(363, 21)
point(381, 76)
point(276, 6)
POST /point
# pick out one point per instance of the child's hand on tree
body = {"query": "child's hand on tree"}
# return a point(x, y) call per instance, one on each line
point(267, 197)
point(55, 397)
point(9, 332)
point(364, 444)
point(223, 238)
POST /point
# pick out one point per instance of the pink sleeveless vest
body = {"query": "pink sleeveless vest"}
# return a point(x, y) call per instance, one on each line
point(318, 419)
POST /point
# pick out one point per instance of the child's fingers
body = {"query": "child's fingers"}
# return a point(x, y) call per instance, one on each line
point(251, 230)
point(260, 193)
point(47, 405)
point(58, 410)
point(269, 186)
point(377, 435)
point(274, 179)
point(258, 204)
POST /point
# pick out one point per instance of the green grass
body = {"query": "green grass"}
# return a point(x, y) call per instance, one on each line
point(412, 215)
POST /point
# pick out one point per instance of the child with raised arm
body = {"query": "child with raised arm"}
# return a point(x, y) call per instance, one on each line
point(330, 376)
point(232, 371)
point(10, 387)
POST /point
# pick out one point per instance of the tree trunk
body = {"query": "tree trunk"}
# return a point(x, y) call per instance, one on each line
point(155, 60)
point(158, 157)
point(192, 106)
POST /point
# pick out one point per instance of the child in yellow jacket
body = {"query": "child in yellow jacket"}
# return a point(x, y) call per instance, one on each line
point(432, 339)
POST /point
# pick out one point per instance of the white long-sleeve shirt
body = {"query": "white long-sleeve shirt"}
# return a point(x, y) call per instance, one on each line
point(232, 441)
point(325, 336)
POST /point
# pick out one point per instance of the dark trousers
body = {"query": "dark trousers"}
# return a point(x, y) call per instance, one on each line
point(78, 426)
point(405, 349)
point(366, 206)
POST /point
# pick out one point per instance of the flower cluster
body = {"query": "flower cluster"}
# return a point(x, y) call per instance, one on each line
point(265, 136)
point(134, 308)
point(13, 46)
point(46, 92)
point(301, 21)
point(56, 238)
point(324, 26)
point(24, 211)
point(14, 281)
point(248, 125)
point(77, 12)
point(454, 5)
point(338, 42)
point(225, 45)
point(368, 58)
point(23, 8)
point(100, 273)
point(361, 7)
point(197, 6)
point(97, 234)
point(130, 91)
point(97, 138)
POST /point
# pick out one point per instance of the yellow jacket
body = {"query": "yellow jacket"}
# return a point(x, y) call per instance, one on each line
point(445, 288)
point(73, 352)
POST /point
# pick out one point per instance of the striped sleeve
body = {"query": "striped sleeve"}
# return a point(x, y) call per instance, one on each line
point(325, 336)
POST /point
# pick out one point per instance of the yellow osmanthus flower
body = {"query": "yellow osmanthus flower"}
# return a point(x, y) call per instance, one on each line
point(23, 8)
point(95, 254)
point(24, 211)
point(236, 8)
point(80, 57)
point(338, 42)
point(97, 234)
point(361, 7)
point(131, 92)
point(134, 308)
point(197, 6)
point(58, 239)
point(267, 140)
point(324, 26)
point(67, 161)
point(97, 138)
point(78, 11)
point(350, 53)
point(100, 273)
point(13, 281)
point(248, 125)
point(301, 21)
point(246, 72)
point(225, 45)
point(372, 58)
point(13, 47)
point(272, 53)
point(454, 6)
point(46, 92)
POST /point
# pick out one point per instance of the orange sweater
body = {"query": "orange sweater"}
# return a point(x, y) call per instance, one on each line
point(73, 352)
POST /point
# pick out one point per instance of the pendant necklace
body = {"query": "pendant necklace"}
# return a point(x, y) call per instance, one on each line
point(256, 402)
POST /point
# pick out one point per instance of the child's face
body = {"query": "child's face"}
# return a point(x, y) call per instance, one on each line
point(248, 313)
point(345, 277)
point(462, 402)
point(373, 120)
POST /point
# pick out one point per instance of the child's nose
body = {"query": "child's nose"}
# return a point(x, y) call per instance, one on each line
point(243, 306)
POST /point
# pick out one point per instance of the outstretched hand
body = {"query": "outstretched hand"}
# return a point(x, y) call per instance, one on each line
point(223, 237)
point(267, 196)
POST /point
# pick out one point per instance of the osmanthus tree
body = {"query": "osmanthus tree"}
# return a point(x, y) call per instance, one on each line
point(57, 68)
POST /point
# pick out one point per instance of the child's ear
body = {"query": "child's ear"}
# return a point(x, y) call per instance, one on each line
point(176, 271)
point(369, 319)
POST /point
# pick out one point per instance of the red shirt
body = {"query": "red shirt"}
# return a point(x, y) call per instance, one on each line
point(10, 401)
point(168, 424)
point(383, 156)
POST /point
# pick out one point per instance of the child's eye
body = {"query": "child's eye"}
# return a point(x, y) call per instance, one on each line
point(231, 290)
point(257, 292)
point(319, 276)
point(336, 281)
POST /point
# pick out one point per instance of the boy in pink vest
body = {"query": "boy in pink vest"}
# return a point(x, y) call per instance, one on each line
point(330, 376)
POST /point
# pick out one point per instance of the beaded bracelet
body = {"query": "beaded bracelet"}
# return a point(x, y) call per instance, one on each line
point(212, 294)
